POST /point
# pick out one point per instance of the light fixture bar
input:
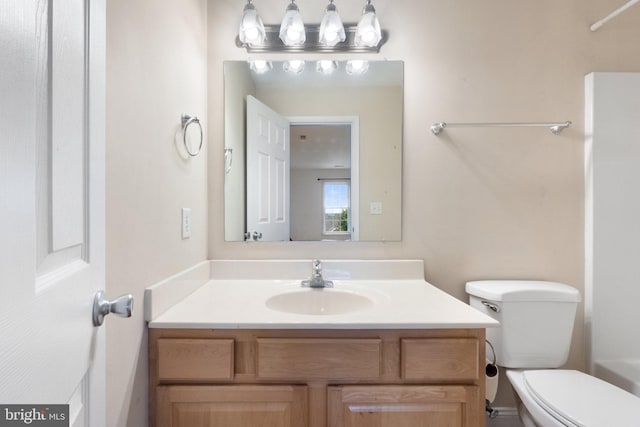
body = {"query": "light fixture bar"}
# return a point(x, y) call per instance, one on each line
point(273, 43)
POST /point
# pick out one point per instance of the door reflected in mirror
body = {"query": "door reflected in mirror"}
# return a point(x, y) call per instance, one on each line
point(315, 157)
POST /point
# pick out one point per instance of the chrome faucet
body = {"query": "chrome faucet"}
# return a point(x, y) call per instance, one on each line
point(316, 280)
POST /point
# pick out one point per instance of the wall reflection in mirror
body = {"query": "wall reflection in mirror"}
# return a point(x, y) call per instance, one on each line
point(313, 155)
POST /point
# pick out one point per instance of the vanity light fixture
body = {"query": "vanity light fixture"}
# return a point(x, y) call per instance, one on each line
point(368, 32)
point(357, 66)
point(251, 30)
point(331, 28)
point(260, 66)
point(292, 32)
point(331, 35)
point(293, 66)
point(326, 66)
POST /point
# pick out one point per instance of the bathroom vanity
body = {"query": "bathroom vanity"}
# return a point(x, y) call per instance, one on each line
point(406, 354)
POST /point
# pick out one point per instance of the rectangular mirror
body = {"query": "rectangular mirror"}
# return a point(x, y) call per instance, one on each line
point(311, 156)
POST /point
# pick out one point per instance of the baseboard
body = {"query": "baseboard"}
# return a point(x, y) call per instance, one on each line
point(507, 417)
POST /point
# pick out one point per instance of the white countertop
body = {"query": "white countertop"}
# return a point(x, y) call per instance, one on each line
point(397, 304)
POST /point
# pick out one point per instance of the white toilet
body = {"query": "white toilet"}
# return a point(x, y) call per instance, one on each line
point(536, 323)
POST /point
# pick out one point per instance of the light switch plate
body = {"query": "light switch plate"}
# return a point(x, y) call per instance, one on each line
point(186, 223)
point(375, 208)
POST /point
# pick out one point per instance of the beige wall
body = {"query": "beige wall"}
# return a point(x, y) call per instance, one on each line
point(236, 91)
point(156, 70)
point(477, 203)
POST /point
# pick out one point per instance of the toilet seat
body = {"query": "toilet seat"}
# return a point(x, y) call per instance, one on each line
point(577, 399)
point(528, 405)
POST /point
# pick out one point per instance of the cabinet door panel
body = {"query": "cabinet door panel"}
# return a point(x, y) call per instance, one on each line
point(444, 415)
point(415, 406)
point(232, 406)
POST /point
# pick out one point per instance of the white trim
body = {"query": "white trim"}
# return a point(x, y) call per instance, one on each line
point(589, 96)
point(354, 121)
point(96, 133)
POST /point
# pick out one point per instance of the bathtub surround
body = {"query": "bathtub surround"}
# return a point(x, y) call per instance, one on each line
point(476, 203)
point(623, 371)
point(612, 208)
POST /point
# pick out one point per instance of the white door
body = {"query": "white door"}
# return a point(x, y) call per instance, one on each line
point(52, 205)
point(268, 179)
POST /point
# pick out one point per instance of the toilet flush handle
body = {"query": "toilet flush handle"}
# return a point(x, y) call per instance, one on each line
point(491, 306)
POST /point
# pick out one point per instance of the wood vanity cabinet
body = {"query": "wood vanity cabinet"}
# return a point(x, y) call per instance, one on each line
point(316, 378)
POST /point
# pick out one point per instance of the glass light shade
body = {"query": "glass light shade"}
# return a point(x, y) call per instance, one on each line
point(357, 66)
point(294, 66)
point(260, 66)
point(331, 28)
point(251, 27)
point(326, 66)
point(368, 32)
point(292, 27)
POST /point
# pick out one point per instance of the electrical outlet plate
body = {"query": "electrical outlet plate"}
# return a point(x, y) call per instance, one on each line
point(375, 208)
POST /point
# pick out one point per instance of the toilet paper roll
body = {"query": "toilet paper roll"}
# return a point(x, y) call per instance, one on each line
point(492, 385)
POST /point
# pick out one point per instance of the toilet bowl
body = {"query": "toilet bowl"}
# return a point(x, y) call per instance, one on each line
point(536, 321)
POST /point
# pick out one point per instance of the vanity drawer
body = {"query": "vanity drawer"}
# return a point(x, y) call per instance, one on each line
point(319, 358)
point(183, 359)
point(440, 359)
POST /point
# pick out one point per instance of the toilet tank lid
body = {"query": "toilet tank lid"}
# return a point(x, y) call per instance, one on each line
point(522, 290)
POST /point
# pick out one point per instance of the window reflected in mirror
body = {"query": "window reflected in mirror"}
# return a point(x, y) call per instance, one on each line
point(336, 208)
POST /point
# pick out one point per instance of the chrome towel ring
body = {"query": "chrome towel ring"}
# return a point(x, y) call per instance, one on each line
point(186, 121)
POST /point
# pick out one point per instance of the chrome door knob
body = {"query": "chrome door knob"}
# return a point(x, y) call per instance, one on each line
point(121, 306)
point(257, 235)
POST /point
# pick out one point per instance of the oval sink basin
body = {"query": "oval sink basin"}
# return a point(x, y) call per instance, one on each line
point(319, 302)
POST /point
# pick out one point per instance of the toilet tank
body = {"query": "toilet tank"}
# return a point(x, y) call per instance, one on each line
point(536, 320)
